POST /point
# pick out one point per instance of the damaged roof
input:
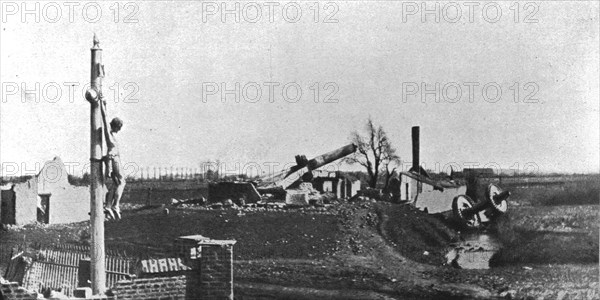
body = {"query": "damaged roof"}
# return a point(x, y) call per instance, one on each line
point(437, 184)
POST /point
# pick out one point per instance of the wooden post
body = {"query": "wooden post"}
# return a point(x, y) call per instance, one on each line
point(97, 188)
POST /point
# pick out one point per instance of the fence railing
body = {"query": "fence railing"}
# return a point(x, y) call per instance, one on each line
point(42, 275)
point(57, 267)
point(60, 269)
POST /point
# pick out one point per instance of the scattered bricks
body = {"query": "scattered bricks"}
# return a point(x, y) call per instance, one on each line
point(13, 291)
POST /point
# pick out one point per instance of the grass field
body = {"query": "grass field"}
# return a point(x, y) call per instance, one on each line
point(549, 234)
point(561, 190)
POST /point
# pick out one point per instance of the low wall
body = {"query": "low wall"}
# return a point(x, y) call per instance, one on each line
point(208, 275)
point(152, 288)
point(204, 271)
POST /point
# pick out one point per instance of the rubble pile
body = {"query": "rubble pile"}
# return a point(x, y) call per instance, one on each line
point(317, 203)
point(263, 206)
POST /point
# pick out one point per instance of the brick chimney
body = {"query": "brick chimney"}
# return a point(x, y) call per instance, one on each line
point(415, 149)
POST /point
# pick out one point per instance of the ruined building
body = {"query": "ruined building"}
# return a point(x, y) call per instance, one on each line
point(47, 198)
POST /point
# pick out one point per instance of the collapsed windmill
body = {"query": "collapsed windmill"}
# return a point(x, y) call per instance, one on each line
point(416, 187)
point(294, 185)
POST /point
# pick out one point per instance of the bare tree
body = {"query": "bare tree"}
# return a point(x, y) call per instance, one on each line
point(374, 152)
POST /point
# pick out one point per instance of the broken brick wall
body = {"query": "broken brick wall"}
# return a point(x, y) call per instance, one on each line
point(12, 291)
point(152, 288)
point(208, 275)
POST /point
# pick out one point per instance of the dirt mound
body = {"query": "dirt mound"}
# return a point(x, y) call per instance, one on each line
point(259, 235)
point(293, 234)
point(415, 234)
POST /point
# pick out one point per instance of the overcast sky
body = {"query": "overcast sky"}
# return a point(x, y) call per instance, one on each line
point(164, 61)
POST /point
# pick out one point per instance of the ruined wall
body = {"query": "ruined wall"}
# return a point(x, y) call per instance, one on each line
point(328, 184)
point(434, 201)
point(69, 204)
point(409, 188)
point(153, 192)
point(7, 207)
point(12, 291)
point(439, 201)
point(52, 176)
point(218, 192)
point(152, 288)
point(348, 188)
point(159, 196)
point(354, 187)
point(26, 198)
point(340, 186)
point(207, 274)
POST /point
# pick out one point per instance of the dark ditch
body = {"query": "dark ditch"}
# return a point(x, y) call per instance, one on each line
point(474, 251)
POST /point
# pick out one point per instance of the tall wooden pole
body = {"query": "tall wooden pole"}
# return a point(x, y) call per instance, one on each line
point(97, 188)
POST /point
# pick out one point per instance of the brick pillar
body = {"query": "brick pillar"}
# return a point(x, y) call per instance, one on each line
point(216, 271)
point(211, 262)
